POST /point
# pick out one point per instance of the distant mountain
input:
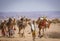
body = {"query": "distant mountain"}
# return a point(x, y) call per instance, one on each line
point(49, 14)
point(2, 17)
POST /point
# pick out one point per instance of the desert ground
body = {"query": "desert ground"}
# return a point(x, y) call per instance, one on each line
point(51, 34)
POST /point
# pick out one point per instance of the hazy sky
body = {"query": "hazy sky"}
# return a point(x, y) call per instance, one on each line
point(29, 5)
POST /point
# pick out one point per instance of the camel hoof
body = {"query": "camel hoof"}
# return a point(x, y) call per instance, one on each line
point(18, 33)
point(40, 36)
point(29, 33)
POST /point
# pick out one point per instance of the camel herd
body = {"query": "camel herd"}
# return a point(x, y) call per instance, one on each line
point(8, 26)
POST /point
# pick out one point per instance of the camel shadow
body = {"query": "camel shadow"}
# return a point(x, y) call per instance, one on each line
point(54, 35)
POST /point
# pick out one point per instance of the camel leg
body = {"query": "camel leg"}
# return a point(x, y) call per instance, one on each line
point(45, 28)
point(39, 32)
point(33, 34)
point(23, 32)
point(9, 33)
point(19, 30)
point(33, 38)
point(43, 32)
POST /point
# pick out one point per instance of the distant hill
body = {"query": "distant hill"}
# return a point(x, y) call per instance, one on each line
point(49, 14)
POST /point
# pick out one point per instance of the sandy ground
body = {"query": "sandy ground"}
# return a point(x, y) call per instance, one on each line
point(51, 34)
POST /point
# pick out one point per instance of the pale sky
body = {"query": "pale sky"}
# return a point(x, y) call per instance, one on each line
point(29, 5)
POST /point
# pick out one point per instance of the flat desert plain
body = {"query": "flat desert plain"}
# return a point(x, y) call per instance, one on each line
point(51, 34)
